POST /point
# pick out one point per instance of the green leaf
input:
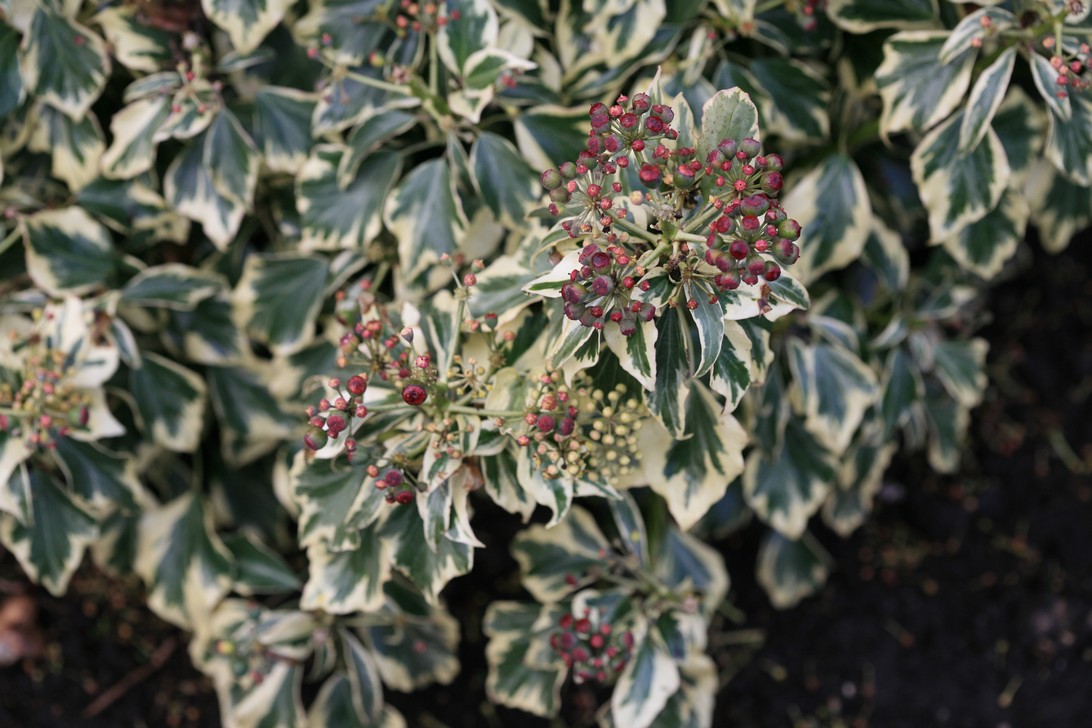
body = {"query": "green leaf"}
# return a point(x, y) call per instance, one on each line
point(549, 135)
point(1019, 124)
point(1059, 208)
point(791, 570)
point(709, 321)
point(346, 101)
point(367, 690)
point(429, 571)
point(864, 16)
point(499, 472)
point(132, 152)
point(233, 159)
point(572, 339)
point(667, 400)
point(63, 63)
point(476, 28)
point(76, 146)
point(14, 486)
point(278, 299)
point(171, 285)
point(349, 580)
point(510, 627)
point(986, 96)
point(12, 91)
point(369, 137)
point(631, 526)
point(903, 386)
point(692, 705)
point(885, 254)
point(334, 217)
point(251, 421)
point(171, 402)
point(104, 481)
point(733, 369)
point(800, 98)
point(137, 45)
point(917, 90)
point(426, 216)
point(970, 28)
point(1046, 81)
point(67, 251)
point(335, 502)
point(185, 565)
point(859, 480)
point(636, 353)
point(247, 22)
point(835, 388)
point(961, 368)
point(958, 189)
point(728, 114)
point(261, 570)
point(947, 421)
point(649, 679)
point(50, 545)
point(1069, 142)
point(831, 204)
point(985, 246)
point(417, 648)
point(696, 471)
point(786, 487)
point(207, 334)
point(188, 187)
point(507, 184)
point(555, 562)
point(283, 127)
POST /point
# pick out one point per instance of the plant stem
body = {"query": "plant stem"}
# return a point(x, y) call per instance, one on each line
point(651, 256)
point(634, 230)
point(690, 237)
point(10, 239)
point(461, 410)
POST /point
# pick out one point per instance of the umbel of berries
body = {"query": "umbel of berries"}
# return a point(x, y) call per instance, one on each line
point(591, 648)
point(600, 291)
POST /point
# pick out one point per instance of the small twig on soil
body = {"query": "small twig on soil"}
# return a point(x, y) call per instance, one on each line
point(1065, 453)
point(1004, 700)
point(134, 678)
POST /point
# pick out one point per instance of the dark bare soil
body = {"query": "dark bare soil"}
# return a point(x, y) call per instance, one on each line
point(965, 601)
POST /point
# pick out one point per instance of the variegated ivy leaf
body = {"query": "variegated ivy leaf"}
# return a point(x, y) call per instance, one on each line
point(278, 298)
point(734, 368)
point(476, 28)
point(426, 216)
point(75, 146)
point(349, 100)
point(335, 502)
point(366, 689)
point(136, 45)
point(903, 386)
point(1069, 142)
point(67, 251)
point(695, 471)
point(985, 246)
point(133, 208)
point(12, 91)
point(369, 137)
point(182, 560)
point(170, 400)
point(507, 183)
point(947, 422)
point(786, 487)
point(859, 480)
point(831, 204)
point(1059, 208)
point(510, 627)
point(790, 570)
point(1046, 81)
point(958, 189)
point(835, 388)
point(800, 98)
point(885, 254)
point(343, 217)
point(283, 127)
point(334, 706)
point(649, 679)
point(667, 400)
point(630, 525)
point(636, 353)
point(961, 368)
point(63, 63)
point(233, 159)
point(728, 114)
point(14, 484)
point(485, 71)
point(171, 285)
point(692, 705)
point(132, 151)
point(273, 701)
point(397, 642)
point(686, 563)
point(193, 109)
point(103, 480)
point(49, 545)
point(251, 422)
point(247, 22)
point(555, 562)
point(917, 90)
point(500, 474)
point(188, 187)
point(259, 569)
point(970, 27)
point(1020, 123)
point(547, 134)
point(986, 96)
point(864, 16)
point(429, 571)
point(351, 580)
point(207, 334)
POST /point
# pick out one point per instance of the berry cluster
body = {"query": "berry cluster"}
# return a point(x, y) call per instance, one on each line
point(591, 648)
point(1070, 77)
point(394, 482)
point(426, 16)
point(334, 416)
point(601, 290)
point(807, 13)
point(38, 404)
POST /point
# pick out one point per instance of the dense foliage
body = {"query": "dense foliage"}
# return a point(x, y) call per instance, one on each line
point(288, 287)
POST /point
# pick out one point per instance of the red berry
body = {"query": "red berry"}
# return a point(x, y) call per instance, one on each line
point(404, 497)
point(545, 423)
point(414, 394)
point(357, 384)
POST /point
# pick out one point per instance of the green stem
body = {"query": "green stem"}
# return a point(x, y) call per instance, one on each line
point(653, 255)
point(461, 410)
point(690, 237)
point(634, 230)
point(10, 239)
point(433, 67)
point(767, 6)
point(374, 82)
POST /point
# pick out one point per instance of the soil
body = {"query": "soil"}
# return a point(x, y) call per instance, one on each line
point(965, 600)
